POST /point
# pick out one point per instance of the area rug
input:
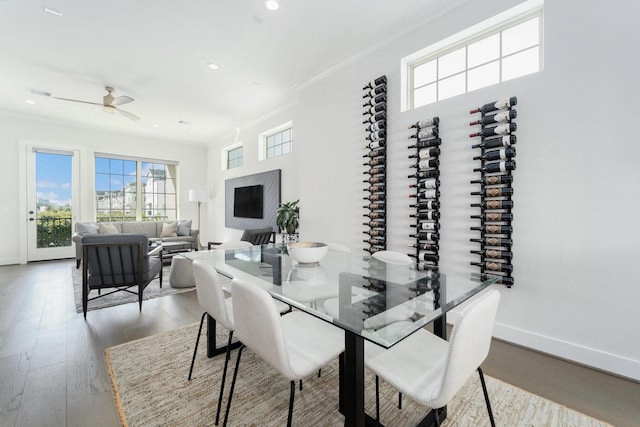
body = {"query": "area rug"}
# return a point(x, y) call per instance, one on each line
point(149, 378)
point(153, 290)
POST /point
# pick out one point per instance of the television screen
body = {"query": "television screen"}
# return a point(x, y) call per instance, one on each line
point(247, 202)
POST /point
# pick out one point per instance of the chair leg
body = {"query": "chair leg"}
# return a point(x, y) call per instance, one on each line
point(377, 399)
point(486, 397)
point(77, 263)
point(195, 350)
point(140, 289)
point(399, 400)
point(291, 397)
point(437, 417)
point(300, 385)
point(233, 385)
point(224, 376)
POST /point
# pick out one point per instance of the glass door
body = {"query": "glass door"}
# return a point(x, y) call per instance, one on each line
point(52, 193)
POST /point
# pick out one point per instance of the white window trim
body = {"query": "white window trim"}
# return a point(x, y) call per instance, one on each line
point(476, 32)
point(262, 139)
point(224, 155)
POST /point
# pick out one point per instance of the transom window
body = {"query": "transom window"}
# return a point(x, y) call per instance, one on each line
point(235, 157)
point(481, 56)
point(277, 141)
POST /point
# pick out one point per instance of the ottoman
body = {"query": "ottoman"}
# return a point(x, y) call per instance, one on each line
point(181, 273)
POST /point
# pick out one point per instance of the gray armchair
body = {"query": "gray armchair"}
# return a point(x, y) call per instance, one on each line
point(120, 262)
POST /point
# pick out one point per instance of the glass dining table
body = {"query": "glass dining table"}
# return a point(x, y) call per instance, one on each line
point(369, 299)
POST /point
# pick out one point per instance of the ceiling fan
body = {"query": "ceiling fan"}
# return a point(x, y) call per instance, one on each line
point(109, 103)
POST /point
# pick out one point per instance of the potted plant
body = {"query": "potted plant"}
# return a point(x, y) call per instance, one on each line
point(288, 216)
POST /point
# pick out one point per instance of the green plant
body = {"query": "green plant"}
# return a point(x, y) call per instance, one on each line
point(288, 216)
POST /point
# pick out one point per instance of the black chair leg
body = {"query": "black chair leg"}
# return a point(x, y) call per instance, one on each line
point(224, 376)
point(193, 359)
point(486, 397)
point(377, 399)
point(233, 385)
point(300, 385)
point(140, 289)
point(77, 263)
point(399, 400)
point(437, 417)
point(291, 397)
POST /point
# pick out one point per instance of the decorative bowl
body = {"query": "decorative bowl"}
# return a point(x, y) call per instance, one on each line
point(307, 252)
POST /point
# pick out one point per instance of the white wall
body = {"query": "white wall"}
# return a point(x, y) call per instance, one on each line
point(16, 132)
point(576, 187)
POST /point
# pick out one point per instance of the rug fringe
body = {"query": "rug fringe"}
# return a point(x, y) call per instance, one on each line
point(116, 393)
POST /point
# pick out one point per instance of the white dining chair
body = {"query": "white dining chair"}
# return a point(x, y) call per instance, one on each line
point(234, 244)
point(296, 344)
point(431, 370)
point(392, 257)
point(212, 299)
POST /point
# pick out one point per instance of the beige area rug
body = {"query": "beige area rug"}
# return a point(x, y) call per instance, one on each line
point(149, 378)
point(151, 291)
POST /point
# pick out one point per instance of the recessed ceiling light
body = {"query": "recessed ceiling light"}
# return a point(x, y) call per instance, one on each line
point(30, 101)
point(213, 66)
point(53, 12)
point(272, 4)
point(184, 122)
point(155, 125)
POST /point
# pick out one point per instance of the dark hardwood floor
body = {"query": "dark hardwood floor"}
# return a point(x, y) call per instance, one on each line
point(53, 372)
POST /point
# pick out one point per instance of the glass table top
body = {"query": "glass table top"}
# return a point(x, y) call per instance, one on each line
point(379, 301)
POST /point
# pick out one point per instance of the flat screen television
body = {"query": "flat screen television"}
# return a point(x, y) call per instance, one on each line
point(247, 202)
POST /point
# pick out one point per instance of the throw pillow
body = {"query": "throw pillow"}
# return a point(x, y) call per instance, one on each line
point(184, 228)
point(107, 228)
point(169, 229)
point(83, 228)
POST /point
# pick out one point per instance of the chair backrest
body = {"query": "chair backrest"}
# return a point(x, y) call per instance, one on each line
point(469, 343)
point(257, 236)
point(210, 293)
point(257, 322)
point(234, 245)
point(115, 259)
point(391, 257)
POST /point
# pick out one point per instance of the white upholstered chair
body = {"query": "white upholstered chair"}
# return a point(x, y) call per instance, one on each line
point(212, 299)
point(392, 257)
point(234, 244)
point(296, 344)
point(431, 370)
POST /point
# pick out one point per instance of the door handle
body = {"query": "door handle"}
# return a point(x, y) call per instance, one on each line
point(31, 219)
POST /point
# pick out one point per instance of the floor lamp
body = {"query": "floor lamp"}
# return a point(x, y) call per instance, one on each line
point(198, 196)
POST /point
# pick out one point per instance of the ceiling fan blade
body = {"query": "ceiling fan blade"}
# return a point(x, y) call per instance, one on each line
point(121, 100)
point(76, 100)
point(129, 115)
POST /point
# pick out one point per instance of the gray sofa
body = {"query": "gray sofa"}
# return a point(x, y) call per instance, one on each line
point(165, 231)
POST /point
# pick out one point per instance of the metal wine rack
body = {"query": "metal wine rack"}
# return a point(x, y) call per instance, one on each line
point(375, 96)
point(426, 197)
point(496, 154)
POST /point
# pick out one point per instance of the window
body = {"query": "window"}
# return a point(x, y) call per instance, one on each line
point(500, 49)
point(277, 141)
point(234, 157)
point(128, 189)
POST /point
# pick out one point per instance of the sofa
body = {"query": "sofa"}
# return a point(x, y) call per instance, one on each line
point(157, 231)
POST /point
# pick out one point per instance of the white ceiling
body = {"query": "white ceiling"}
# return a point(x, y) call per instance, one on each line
point(157, 52)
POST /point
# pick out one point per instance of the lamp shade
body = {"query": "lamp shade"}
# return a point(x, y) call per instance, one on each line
point(197, 196)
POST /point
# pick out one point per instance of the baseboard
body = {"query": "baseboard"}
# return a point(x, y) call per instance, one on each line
point(9, 261)
point(597, 359)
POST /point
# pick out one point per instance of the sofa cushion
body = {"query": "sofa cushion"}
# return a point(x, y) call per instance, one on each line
point(106, 228)
point(169, 229)
point(184, 228)
point(140, 227)
point(83, 228)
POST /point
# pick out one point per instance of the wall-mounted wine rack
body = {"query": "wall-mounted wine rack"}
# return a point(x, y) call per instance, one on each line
point(426, 192)
point(375, 96)
point(497, 163)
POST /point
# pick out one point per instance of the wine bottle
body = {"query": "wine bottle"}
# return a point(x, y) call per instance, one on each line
point(372, 92)
point(494, 216)
point(374, 197)
point(433, 173)
point(494, 229)
point(374, 206)
point(375, 153)
point(426, 236)
point(375, 188)
point(501, 141)
point(494, 180)
point(375, 241)
point(425, 123)
point(375, 162)
point(498, 105)
point(376, 117)
point(424, 154)
point(427, 143)
point(501, 117)
point(427, 183)
point(373, 127)
point(426, 256)
point(375, 224)
point(494, 241)
point(425, 266)
point(497, 167)
point(375, 144)
point(377, 82)
point(426, 204)
point(426, 226)
point(377, 179)
point(426, 163)
point(374, 232)
point(376, 136)
point(494, 192)
point(425, 133)
point(494, 204)
point(494, 254)
point(494, 266)
point(430, 215)
point(496, 130)
point(375, 100)
point(426, 194)
point(378, 170)
point(424, 246)
point(374, 215)
point(375, 109)
point(503, 280)
point(501, 154)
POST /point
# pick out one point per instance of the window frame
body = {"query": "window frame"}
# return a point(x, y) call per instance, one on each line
point(264, 136)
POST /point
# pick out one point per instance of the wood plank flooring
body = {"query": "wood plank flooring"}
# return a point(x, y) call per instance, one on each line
point(53, 372)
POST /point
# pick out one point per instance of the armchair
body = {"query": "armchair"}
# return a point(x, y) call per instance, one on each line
point(119, 261)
